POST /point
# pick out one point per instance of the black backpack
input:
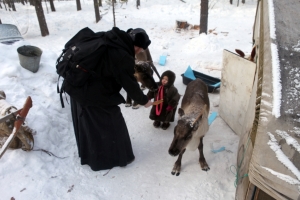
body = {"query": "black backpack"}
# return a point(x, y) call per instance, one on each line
point(77, 63)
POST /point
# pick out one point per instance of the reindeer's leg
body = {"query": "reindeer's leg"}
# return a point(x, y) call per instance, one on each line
point(203, 164)
point(128, 101)
point(177, 165)
point(135, 105)
point(143, 87)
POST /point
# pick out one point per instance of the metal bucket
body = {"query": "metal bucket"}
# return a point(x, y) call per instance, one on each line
point(30, 57)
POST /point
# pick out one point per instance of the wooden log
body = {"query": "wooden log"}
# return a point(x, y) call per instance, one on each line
point(196, 27)
point(182, 24)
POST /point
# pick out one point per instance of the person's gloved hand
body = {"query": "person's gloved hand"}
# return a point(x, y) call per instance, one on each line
point(169, 108)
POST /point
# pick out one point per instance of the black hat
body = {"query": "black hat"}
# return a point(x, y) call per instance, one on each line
point(139, 37)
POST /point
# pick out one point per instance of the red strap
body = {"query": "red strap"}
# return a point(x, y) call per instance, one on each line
point(159, 96)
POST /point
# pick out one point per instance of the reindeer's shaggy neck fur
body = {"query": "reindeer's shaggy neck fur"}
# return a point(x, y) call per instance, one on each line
point(192, 111)
point(200, 132)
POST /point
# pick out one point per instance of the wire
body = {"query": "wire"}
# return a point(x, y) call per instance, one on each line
point(237, 169)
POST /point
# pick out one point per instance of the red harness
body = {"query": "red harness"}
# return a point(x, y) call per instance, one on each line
point(160, 95)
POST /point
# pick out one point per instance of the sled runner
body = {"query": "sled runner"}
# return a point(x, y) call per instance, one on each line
point(19, 116)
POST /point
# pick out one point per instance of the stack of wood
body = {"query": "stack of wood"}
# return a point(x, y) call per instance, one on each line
point(184, 25)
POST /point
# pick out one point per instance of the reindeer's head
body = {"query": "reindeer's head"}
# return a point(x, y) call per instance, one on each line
point(143, 74)
point(185, 129)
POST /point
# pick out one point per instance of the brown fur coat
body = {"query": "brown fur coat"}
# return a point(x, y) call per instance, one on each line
point(171, 98)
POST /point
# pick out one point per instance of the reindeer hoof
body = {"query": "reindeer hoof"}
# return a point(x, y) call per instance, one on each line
point(206, 168)
point(127, 105)
point(175, 173)
point(136, 106)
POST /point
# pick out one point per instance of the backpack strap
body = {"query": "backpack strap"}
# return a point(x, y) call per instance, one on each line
point(154, 69)
point(60, 91)
point(62, 53)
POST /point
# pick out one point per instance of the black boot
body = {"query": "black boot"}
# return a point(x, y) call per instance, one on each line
point(156, 124)
point(165, 125)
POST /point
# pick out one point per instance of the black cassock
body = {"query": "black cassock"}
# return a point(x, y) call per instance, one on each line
point(102, 137)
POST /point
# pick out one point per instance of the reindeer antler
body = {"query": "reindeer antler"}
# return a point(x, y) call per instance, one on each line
point(201, 113)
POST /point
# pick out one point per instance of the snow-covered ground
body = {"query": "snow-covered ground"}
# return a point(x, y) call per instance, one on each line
point(37, 175)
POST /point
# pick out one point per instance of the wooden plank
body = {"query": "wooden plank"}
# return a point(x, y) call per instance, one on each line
point(236, 87)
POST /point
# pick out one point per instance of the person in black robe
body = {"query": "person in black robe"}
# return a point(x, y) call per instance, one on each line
point(101, 133)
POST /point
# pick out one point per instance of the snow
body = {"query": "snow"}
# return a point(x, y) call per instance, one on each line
point(276, 81)
point(281, 156)
point(38, 175)
point(275, 64)
point(272, 20)
point(297, 47)
point(289, 139)
point(284, 177)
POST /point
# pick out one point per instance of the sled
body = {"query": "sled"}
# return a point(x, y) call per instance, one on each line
point(19, 116)
point(211, 82)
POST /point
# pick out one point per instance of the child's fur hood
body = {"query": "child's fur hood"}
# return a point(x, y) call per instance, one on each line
point(171, 77)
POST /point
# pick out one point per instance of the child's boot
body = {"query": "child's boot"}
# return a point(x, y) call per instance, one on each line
point(156, 124)
point(165, 125)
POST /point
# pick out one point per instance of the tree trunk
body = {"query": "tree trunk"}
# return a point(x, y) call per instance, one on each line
point(113, 6)
point(41, 18)
point(138, 4)
point(78, 5)
point(12, 5)
point(243, 1)
point(97, 11)
point(4, 5)
point(0, 21)
point(52, 6)
point(8, 4)
point(203, 16)
point(230, 1)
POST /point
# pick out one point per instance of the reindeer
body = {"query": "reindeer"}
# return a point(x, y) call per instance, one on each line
point(251, 57)
point(143, 74)
point(192, 124)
